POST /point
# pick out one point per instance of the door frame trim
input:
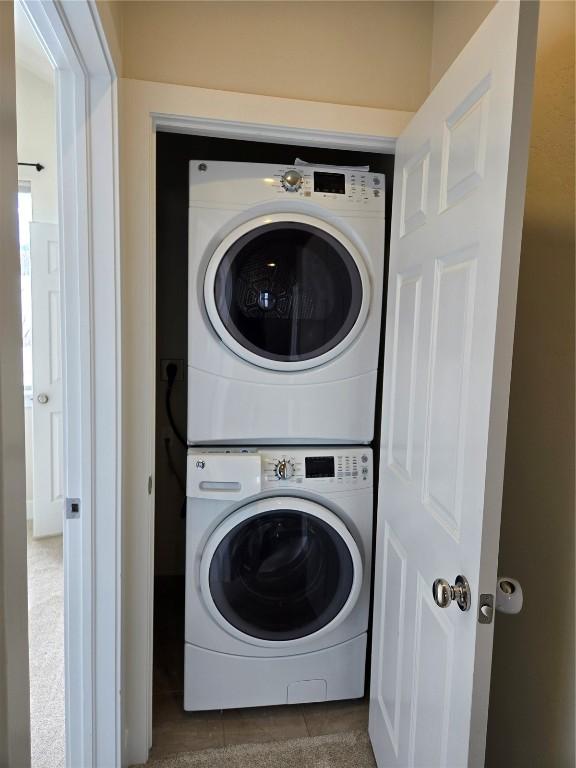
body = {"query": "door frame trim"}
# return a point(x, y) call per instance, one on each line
point(149, 107)
point(87, 141)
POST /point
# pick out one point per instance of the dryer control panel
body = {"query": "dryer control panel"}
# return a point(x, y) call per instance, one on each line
point(347, 185)
point(345, 189)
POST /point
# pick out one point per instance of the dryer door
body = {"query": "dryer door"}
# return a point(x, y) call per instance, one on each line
point(280, 570)
point(287, 291)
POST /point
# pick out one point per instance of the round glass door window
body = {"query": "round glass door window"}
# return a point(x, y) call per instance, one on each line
point(288, 292)
point(281, 575)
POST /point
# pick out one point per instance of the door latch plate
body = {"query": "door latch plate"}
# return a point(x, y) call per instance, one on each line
point(486, 609)
point(72, 509)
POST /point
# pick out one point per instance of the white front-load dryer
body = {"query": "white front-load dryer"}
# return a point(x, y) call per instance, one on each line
point(278, 559)
point(286, 267)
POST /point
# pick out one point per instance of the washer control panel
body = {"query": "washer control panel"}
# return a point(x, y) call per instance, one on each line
point(219, 472)
point(317, 467)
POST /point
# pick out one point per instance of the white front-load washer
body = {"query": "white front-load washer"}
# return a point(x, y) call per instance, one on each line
point(286, 266)
point(278, 562)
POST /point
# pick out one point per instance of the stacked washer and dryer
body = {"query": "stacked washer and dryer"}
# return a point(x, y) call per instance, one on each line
point(286, 267)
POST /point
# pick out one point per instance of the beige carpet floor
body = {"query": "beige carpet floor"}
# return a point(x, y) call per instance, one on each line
point(339, 750)
point(46, 640)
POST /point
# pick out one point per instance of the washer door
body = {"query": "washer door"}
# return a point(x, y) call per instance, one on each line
point(287, 291)
point(281, 570)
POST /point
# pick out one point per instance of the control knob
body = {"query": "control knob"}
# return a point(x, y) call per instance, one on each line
point(284, 469)
point(292, 181)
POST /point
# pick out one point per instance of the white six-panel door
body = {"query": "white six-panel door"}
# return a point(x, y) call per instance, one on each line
point(455, 243)
point(48, 485)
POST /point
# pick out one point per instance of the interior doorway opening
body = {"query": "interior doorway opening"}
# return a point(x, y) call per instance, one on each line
point(83, 154)
point(42, 388)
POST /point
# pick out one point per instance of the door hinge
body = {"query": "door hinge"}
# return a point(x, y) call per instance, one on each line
point(149, 484)
point(72, 509)
point(486, 609)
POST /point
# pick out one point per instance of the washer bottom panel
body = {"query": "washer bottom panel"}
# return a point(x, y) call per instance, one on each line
point(221, 681)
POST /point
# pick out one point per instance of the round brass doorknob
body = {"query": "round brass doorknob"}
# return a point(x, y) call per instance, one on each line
point(444, 593)
point(42, 399)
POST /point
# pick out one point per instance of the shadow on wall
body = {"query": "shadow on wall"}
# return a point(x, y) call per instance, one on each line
point(531, 719)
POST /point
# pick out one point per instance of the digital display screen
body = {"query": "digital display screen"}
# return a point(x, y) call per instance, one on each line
point(330, 182)
point(319, 466)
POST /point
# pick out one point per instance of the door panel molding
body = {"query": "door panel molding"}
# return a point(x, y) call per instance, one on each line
point(464, 240)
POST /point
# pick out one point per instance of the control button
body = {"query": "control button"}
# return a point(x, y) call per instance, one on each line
point(284, 469)
point(292, 181)
point(364, 458)
point(376, 193)
point(376, 181)
point(364, 470)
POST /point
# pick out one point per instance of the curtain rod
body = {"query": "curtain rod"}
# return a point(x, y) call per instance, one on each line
point(38, 166)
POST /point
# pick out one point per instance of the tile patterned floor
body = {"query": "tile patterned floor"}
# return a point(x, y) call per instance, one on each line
point(178, 731)
point(175, 730)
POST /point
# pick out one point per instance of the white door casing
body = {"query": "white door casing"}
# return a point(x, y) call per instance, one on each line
point(48, 489)
point(455, 244)
point(73, 38)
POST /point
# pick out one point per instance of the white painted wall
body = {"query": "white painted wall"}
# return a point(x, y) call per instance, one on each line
point(36, 115)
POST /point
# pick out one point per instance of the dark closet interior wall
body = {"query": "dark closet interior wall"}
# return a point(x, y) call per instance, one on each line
point(173, 153)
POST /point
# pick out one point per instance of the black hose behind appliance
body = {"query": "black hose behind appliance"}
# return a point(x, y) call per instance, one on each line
point(171, 372)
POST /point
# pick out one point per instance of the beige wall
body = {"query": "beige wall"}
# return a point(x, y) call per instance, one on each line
point(531, 720)
point(368, 54)
point(110, 12)
point(454, 22)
